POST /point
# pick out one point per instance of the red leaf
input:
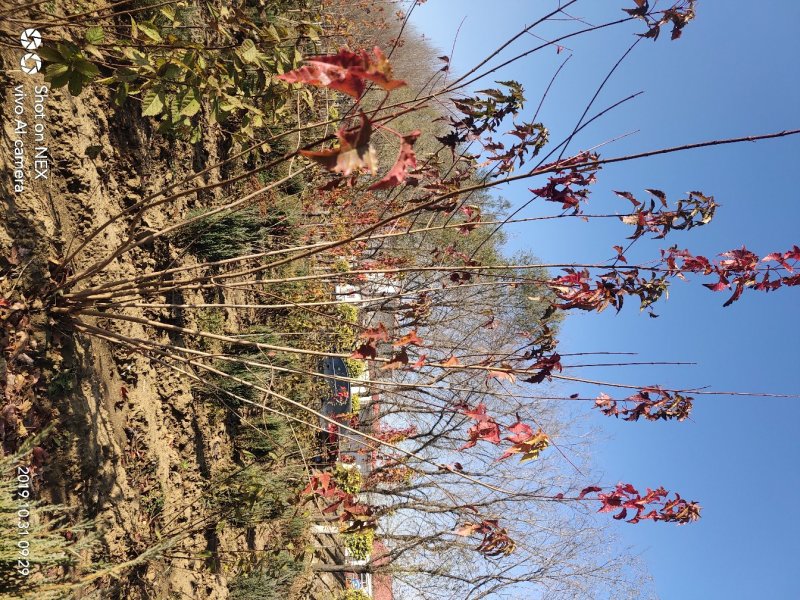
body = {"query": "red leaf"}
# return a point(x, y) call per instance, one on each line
point(473, 218)
point(326, 74)
point(588, 490)
point(39, 457)
point(658, 194)
point(376, 334)
point(406, 160)
point(345, 72)
point(353, 153)
point(379, 71)
point(478, 413)
point(520, 432)
point(487, 430)
point(722, 284)
point(451, 362)
point(408, 339)
point(397, 361)
point(530, 448)
point(365, 351)
point(628, 196)
point(507, 375)
point(420, 361)
point(467, 529)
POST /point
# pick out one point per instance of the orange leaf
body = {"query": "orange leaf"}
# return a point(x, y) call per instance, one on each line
point(451, 362)
point(408, 339)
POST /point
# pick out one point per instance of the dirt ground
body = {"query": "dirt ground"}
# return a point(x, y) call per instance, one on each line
point(133, 450)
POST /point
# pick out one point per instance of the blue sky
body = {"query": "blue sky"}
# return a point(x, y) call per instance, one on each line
point(733, 73)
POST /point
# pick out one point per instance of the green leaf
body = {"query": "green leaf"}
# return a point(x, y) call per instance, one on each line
point(171, 72)
point(75, 83)
point(121, 94)
point(191, 109)
point(134, 28)
point(168, 12)
point(152, 104)
point(95, 35)
point(230, 103)
point(50, 54)
point(88, 69)
point(57, 75)
point(136, 57)
point(173, 112)
point(93, 151)
point(55, 70)
point(94, 51)
point(248, 51)
point(150, 31)
point(67, 51)
point(273, 33)
point(125, 74)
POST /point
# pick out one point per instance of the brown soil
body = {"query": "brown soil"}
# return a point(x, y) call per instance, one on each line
point(133, 450)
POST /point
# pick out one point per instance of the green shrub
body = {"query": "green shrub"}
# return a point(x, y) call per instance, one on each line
point(295, 525)
point(344, 328)
point(355, 367)
point(355, 402)
point(256, 494)
point(263, 438)
point(354, 595)
point(223, 235)
point(219, 387)
point(247, 375)
point(359, 545)
point(51, 542)
point(270, 583)
point(210, 320)
point(348, 312)
point(348, 478)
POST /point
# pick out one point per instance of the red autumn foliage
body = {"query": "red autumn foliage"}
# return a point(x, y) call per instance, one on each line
point(738, 269)
point(695, 211)
point(346, 72)
point(496, 541)
point(394, 435)
point(653, 506)
point(375, 334)
point(406, 160)
point(559, 188)
point(546, 366)
point(354, 152)
point(351, 511)
point(411, 338)
point(399, 359)
point(526, 442)
point(485, 429)
point(473, 218)
point(663, 406)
